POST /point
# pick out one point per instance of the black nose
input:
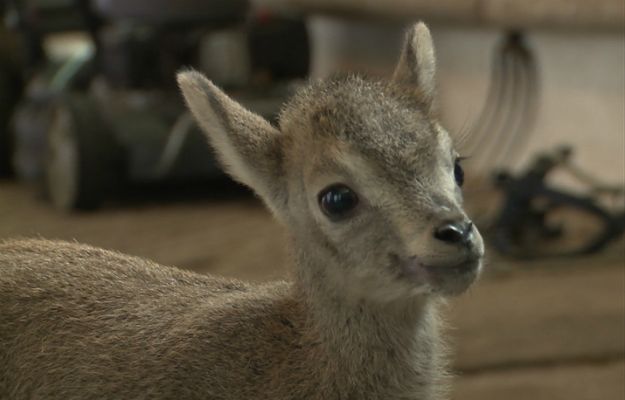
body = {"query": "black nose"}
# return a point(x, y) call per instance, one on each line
point(455, 232)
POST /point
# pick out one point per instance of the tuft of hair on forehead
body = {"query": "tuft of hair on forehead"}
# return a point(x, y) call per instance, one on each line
point(373, 115)
point(355, 95)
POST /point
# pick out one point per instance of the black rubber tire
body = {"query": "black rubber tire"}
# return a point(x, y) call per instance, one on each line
point(82, 157)
point(10, 91)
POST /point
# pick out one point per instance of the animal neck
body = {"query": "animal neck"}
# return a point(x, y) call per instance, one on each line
point(370, 346)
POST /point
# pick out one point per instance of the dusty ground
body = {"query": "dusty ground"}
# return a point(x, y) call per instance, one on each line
point(527, 331)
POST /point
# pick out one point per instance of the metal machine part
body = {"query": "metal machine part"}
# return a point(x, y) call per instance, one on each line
point(504, 126)
point(95, 121)
point(538, 219)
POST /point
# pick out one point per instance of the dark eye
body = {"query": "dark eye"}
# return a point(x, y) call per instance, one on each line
point(337, 201)
point(458, 172)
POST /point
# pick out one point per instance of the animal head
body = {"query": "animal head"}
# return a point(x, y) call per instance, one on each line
point(362, 173)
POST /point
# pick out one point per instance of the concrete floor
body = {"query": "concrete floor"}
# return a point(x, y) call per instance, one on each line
point(526, 331)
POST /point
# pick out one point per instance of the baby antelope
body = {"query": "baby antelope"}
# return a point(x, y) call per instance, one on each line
point(368, 184)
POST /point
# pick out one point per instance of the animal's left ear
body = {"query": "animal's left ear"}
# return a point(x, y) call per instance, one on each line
point(417, 63)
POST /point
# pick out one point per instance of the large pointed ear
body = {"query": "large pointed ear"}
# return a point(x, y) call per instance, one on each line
point(248, 146)
point(417, 63)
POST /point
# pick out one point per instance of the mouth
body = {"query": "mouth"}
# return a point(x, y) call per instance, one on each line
point(445, 278)
point(468, 266)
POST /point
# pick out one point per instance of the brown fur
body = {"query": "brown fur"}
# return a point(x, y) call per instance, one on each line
point(359, 319)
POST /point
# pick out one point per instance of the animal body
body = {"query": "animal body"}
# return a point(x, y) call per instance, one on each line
point(368, 184)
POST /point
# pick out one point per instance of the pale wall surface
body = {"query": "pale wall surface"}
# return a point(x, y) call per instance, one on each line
point(583, 14)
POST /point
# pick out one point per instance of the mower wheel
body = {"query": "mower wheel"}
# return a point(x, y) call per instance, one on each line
point(81, 155)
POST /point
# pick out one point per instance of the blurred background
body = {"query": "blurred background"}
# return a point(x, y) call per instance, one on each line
point(96, 146)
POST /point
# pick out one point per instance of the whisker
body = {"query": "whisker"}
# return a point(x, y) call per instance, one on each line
point(464, 134)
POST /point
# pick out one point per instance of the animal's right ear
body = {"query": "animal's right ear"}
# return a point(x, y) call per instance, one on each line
point(417, 63)
point(247, 145)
